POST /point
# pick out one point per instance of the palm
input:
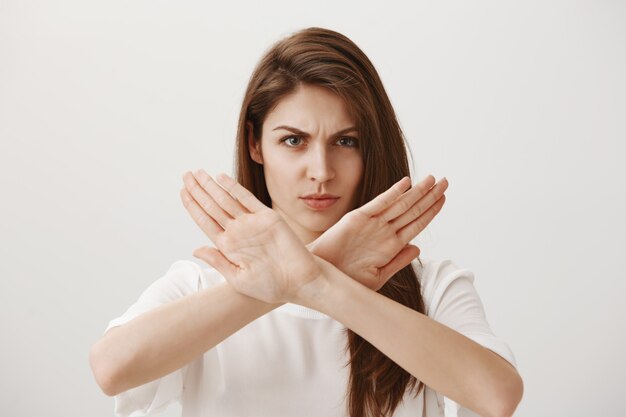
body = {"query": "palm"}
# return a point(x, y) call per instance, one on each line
point(253, 243)
point(360, 246)
point(370, 244)
point(257, 252)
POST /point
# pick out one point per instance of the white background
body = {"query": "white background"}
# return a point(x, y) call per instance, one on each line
point(521, 105)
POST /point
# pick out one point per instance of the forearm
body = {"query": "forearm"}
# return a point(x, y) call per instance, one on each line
point(440, 357)
point(168, 337)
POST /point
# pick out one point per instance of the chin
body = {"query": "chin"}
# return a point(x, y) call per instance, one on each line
point(320, 224)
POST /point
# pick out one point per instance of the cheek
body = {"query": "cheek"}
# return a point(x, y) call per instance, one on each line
point(281, 167)
point(279, 178)
point(353, 170)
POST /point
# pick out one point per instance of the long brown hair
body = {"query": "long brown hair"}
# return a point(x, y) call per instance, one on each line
point(329, 59)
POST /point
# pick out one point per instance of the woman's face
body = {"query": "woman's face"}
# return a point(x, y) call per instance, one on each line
point(309, 146)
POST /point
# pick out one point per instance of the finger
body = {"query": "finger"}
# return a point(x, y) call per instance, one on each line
point(217, 260)
point(386, 198)
point(408, 232)
point(205, 201)
point(209, 226)
point(402, 259)
point(245, 197)
point(431, 197)
point(226, 201)
point(408, 199)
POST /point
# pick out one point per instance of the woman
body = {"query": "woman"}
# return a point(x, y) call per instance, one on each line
point(311, 254)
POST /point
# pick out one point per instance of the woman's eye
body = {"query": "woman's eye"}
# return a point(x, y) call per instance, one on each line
point(292, 140)
point(349, 142)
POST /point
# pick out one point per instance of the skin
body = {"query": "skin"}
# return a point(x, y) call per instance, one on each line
point(331, 260)
point(368, 247)
point(296, 165)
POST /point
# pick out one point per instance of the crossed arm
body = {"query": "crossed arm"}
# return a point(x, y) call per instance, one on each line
point(443, 359)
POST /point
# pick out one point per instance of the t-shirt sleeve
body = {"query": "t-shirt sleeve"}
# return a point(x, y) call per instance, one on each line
point(453, 300)
point(183, 278)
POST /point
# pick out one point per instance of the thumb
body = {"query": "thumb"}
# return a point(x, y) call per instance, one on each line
point(216, 259)
point(402, 259)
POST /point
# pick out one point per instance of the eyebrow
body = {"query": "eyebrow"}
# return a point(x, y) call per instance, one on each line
point(305, 134)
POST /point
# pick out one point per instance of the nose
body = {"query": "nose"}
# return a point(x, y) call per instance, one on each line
point(320, 165)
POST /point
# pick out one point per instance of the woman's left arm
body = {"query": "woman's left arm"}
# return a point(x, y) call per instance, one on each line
point(435, 354)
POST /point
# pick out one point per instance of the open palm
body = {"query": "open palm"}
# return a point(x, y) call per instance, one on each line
point(370, 243)
point(256, 251)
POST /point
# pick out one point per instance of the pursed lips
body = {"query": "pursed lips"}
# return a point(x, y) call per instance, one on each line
point(322, 201)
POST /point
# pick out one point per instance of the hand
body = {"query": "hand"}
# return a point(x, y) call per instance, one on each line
point(257, 252)
point(370, 243)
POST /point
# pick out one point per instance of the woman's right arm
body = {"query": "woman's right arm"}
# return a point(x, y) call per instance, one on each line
point(170, 336)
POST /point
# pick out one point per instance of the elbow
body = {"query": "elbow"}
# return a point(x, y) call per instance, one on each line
point(509, 397)
point(102, 370)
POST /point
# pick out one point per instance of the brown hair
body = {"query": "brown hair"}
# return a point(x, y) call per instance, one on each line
point(329, 59)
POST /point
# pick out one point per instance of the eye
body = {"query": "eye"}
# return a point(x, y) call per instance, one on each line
point(349, 142)
point(291, 141)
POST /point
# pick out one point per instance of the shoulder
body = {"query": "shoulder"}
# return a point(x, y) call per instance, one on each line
point(435, 277)
point(450, 298)
point(191, 276)
point(183, 277)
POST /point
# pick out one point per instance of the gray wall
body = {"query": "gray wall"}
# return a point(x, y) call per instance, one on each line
point(103, 107)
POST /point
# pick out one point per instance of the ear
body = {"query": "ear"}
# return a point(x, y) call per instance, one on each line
point(254, 146)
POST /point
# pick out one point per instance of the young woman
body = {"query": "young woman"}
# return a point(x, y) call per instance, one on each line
point(313, 305)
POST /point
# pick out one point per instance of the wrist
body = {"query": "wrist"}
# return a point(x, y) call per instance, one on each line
point(311, 293)
point(327, 290)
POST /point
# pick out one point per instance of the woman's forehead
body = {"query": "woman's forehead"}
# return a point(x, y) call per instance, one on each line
point(310, 108)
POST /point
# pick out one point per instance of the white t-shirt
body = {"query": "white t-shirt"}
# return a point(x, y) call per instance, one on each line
point(290, 362)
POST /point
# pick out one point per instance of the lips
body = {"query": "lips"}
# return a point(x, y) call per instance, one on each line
point(319, 203)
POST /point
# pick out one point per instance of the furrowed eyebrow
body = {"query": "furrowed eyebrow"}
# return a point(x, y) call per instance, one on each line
point(305, 134)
